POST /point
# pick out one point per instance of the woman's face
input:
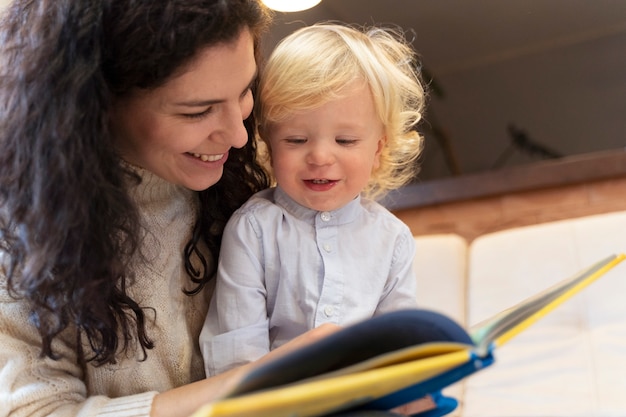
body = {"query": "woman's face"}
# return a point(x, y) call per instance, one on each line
point(183, 130)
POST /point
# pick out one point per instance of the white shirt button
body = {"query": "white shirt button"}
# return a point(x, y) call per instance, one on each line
point(325, 216)
point(327, 247)
point(328, 310)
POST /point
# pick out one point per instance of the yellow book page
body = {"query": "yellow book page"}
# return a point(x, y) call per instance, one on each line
point(319, 396)
point(408, 354)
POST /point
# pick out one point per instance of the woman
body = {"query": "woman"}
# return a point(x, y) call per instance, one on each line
point(124, 136)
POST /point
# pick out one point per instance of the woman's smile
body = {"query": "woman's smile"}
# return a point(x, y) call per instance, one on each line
point(208, 158)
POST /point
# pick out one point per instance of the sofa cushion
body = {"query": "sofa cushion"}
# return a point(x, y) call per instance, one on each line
point(440, 266)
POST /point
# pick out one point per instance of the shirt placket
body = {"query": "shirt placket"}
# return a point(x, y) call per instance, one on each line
point(332, 285)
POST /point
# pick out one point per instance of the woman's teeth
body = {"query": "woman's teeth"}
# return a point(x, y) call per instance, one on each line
point(319, 181)
point(208, 158)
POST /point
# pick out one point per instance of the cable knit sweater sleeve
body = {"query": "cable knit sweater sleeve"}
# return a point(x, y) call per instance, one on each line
point(36, 386)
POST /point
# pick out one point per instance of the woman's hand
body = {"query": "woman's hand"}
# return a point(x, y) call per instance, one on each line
point(185, 400)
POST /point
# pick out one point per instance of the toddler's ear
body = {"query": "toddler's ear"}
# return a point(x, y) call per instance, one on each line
point(382, 141)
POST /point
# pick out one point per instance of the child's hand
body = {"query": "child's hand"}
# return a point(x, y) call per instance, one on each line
point(309, 337)
point(304, 339)
point(414, 407)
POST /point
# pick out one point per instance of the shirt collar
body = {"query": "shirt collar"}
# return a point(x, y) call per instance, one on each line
point(343, 215)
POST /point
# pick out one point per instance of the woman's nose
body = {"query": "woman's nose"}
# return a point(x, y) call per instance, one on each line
point(233, 132)
point(240, 134)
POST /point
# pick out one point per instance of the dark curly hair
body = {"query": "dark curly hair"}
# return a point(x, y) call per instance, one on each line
point(67, 224)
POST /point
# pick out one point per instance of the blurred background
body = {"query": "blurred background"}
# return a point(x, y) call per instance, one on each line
point(512, 81)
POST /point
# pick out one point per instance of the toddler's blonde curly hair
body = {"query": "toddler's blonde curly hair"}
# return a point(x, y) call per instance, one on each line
point(312, 65)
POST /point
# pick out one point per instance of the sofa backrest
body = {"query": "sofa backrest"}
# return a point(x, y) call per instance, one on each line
point(440, 267)
point(571, 362)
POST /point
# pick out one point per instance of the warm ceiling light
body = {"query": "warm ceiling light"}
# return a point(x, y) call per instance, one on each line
point(290, 5)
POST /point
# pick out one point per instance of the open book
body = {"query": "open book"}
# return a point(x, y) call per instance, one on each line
point(388, 360)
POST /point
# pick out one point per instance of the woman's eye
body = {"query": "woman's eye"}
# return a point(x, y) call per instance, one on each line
point(198, 115)
point(246, 92)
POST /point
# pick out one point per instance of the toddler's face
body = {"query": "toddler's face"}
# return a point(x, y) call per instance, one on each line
point(323, 158)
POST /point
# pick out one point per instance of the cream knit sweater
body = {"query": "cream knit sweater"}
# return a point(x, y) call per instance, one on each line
point(32, 386)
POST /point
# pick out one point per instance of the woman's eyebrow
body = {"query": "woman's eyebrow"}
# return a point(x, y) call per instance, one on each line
point(205, 103)
point(199, 103)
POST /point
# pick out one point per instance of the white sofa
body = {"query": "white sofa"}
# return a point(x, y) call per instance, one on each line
point(570, 363)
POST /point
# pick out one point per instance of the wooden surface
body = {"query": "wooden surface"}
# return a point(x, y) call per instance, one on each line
point(476, 204)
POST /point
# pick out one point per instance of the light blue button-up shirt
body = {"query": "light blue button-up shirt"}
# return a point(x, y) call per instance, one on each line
point(285, 269)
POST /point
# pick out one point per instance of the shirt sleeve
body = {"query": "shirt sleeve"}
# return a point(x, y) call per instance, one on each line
point(34, 386)
point(236, 329)
point(401, 288)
